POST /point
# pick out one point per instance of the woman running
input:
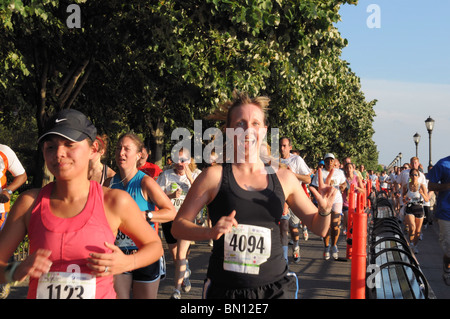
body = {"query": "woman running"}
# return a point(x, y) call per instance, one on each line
point(245, 200)
point(141, 283)
point(98, 171)
point(72, 222)
point(414, 195)
point(354, 179)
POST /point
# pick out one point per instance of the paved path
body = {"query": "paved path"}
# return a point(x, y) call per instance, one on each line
point(430, 260)
point(318, 279)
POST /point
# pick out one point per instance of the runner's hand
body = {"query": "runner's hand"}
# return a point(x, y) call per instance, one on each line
point(325, 194)
point(34, 265)
point(176, 194)
point(115, 262)
point(4, 198)
point(224, 225)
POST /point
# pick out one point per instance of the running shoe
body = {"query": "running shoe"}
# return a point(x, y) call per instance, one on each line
point(186, 284)
point(446, 276)
point(414, 248)
point(296, 254)
point(326, 253)
point(335, 252)
point(176, 294)
point(305, 233)
point(4, 290)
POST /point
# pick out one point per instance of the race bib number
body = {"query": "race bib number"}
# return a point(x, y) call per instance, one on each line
point(123, 240)
point(246, 248)
point(177, 202)
point(66, 285)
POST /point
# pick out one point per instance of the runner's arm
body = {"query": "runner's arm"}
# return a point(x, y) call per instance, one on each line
point(156, 195)
point(438, 187)
point(202, 192)
point(123, 213)
point(301, 206)
point(14, 231)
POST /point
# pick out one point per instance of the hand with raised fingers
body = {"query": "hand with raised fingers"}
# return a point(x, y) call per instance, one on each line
point(325, 193)
point(224, 225)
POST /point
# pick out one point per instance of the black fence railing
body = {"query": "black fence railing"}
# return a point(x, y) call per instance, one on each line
point(393, 272)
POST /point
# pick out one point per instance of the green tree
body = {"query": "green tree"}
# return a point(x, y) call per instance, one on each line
point(153, 66)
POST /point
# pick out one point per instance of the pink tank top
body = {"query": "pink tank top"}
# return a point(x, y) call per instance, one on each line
point(71, 240)
point(354, 181)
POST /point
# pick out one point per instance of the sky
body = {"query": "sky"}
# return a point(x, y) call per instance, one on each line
point(400, 49)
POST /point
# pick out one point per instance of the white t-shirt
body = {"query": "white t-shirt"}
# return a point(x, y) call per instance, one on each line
point(403, 179)
point(10, 163)
point(391, 180)
point(296, 164)
point(14, 165)
point(337, 179)
point(169, 177)
point(383, 181)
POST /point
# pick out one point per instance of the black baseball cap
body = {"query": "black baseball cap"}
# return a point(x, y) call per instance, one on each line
point(70, 124)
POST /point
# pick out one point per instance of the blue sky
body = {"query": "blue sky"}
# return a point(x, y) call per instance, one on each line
point(401, 51)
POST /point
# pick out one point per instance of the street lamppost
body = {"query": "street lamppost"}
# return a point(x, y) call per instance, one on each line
point(416, 138)
point(429, 123)
point(400, 155)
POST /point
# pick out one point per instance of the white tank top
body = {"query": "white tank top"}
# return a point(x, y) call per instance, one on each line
point(414, 196)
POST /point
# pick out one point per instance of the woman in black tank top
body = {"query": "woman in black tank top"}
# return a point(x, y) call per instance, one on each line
point(245, 199)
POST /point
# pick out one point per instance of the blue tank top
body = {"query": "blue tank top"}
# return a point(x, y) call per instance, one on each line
point(135, 190)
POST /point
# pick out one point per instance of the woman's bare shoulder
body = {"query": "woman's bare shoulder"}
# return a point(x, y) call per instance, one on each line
point(114, 197)
point(211, 174)
point(28, 197)
point(285, 175)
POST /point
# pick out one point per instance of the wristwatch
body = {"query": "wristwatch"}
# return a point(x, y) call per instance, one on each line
point(149, 215)
point(8, 191)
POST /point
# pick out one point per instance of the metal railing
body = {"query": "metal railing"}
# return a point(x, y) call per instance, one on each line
point(393, 270)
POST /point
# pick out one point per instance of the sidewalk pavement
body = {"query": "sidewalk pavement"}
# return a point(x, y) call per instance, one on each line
point(318, 278)
point(430, 261)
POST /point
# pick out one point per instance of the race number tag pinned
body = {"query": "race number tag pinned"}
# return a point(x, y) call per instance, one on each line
point(246, 248)
point(66, 285)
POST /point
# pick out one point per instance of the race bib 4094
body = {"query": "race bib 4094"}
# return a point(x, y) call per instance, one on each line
point(246, 248)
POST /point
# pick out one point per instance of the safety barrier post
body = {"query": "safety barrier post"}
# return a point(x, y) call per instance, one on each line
point(359, 253)
point(368, 191)
point(351, 211)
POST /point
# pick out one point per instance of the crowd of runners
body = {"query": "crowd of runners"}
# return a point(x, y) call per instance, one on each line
point(93, 232)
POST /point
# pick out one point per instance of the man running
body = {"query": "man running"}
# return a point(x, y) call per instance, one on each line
point(297, 165)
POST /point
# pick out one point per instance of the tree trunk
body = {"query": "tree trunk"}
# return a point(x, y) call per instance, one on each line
point(158, 135)
point(65, 94)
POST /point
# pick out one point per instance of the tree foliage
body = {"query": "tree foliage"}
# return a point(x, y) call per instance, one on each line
point(152, 66)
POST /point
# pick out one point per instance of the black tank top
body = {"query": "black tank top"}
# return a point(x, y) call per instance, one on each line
point(259, 208)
